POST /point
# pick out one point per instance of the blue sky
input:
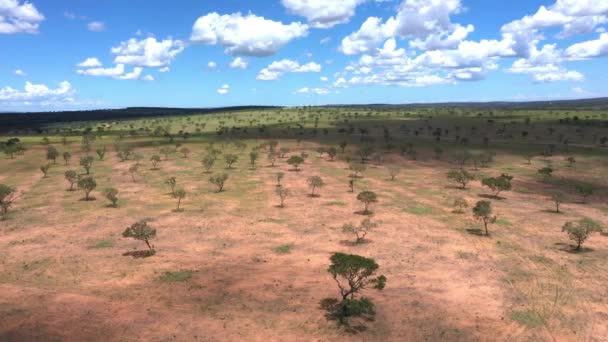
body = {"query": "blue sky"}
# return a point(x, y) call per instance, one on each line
point(78, 54)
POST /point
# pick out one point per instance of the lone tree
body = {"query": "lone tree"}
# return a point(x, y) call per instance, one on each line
point(180, 194)
point(111, 195)
point(155, 159)
point(253, 157)
point(361, 230)
point(580, 230)
point(315, 182)
point(546, 172)
point(72, 177)
point(393, 171)
point(7, 197)
point(460, 204)
point(184, 151)
point(231, 159)
point(356, 169)
point(282, 193)
point(67, 156)
point(352, 274)
point(133, 170)
point(52, 153)
point(87, 184)
point(208, 162)
point(101, 152)
point(351, 185)
point(557, 198)
point(219, 180)
point(483, 211)
point(498, 184)
point(462, 177)
point(45, 170)
point(331, 153)
point(367, 197)
point(585, 190)
point(571, 161)
point(280, 176)
point(171, 182)
point(143, 232)
point(295, 161)
point(87, 163)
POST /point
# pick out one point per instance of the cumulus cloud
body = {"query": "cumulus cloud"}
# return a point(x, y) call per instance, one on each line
point(96, 26)
point(20, 72)
point(211, 65)
point(223, 90)
point(277, 68)
point(248, 35)
point(19, 17)
point(38, 92)
point(589, 49)
point(323, 13)
point(318, 91)
point(239, 63)
point(147, 52)
point(90, 62)
point(117, 72)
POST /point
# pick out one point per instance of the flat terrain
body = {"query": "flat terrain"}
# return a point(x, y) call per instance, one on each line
point(233, 266)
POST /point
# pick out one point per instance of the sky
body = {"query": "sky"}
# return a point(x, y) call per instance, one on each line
point(85, 54)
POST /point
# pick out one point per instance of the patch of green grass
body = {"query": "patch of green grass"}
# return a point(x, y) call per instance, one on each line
point(284, 249)
point(420, 210)
point(179, 276)
point(503, 222)
point(541, 259)
point(334, 203)
point(103, 244)
point(523, 191)
point(528, 318)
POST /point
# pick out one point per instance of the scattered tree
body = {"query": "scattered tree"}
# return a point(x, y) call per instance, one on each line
point(460, 176)
point(184, 151)
point(45, 169)
point(112, 195)
point(295, 161)
point(87, 163)
point(557, 198)
point(367, 197)
point(315, 182)
point(253, 157)
point(155, 159)
point(585, 190)
point(101, 152)
point(180, 194)
point(393, 171)
point(171, 182)
point(282, 192)
point(546, 172)
point(87, 184)
point(579, 231)
point(72, 177)
point(498, 184)
point(356, 169)
point(133, 170)
point(483, 212)
point(361, 230)
point(219, 180)
point(7, 198)
point(280, 176)
point(208, 162)
point(231, 159)
point(66, 157)
point(571, 161)
point(460, 204)
point(143, 232)
point(52, 153)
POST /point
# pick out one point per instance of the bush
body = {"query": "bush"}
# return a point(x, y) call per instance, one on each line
point(483, 211)
point(52, 153)
point(184, 151)
point(498, 184)
point(367, 197)
point(460, 204)
point(155, 159)
point(171, 182)
point(87, 184)
point(112, 195)
point(7, 197)
point(45, 169)
point(219, 181)
point(101, 153)
point(462, 177)
point(180, 194)
point(557, 198)
point(133, 170)
point(579, 231)
point(546, 172)
point(66, 157)
point(315, 182)
point(231, 159)
point(87, 163)
point(253, 157)
point(282, 193)
point(208, 162)
point(585, 190)
point(356, 169)
point(393, 171)
point(72, 177)
point(361, 230)
point(143, 232)
point(295, 161)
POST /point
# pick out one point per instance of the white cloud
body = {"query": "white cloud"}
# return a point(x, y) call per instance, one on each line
point(164, 69)
point(589, 49)
point(147, 52)
point(38, 92)
point(17, 17)
point(90, 62)
point(277, 68)
point(323, 13)
point(371, 33)
point(324, 79)
point(325, 40)
point(20, 72)
point(239, 63)
point(560, 75)
point(148, 78)
point(318, 91)
point(133, 75)
point(211, 65)
point(96, 26)
point(248, 35)
point(223, 90)
point(117, 72)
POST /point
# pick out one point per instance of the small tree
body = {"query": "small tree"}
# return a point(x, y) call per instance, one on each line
point(282, 192)
point(460, 204)
point(66, 157)
point(315, 182)
point(351, 185)
point(87, 184)
point(546, 172)
point(571, 161)
point(343, 145)
point(332, 152)
point(557, 198)
point(353, 273)
point(462, 177)
point(272, 158)
point(87, 163)
point(231, 159)
point(101, 152)
point(295, 161)
point(528, 157)
point(171, 182)
point(585, 190)
point(367, 197)
point(393, 171)
point(52, 153)
point(45, 169)
point(361, 230)
point(356, 169)
point(72, 177)
point(184, 151)
point(133, 170)
point(208, 162)
point(143, 232)
point(579, 231)
point(219, 180)
point(280, 176)
point(253, 157)
point(180, 194)
point(7, 198)
point(112, 195)
point(498, 184)
point(155, 159)
point(483, 211)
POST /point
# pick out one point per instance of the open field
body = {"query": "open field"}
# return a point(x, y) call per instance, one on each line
point(234, 266)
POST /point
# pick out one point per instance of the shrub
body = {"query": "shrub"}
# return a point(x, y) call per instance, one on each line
point(367, 197)
point(557, 198)
point(52, 153)
point(171, 182)
point(483, 211)
point(498, 184)
point(7, 198)
point(272, 158)
point(180, 194)
point(579, 231)
point(133, 170)
point(184, 151)
point(462, 177)
point(356, 169)
point(87, 163)
point(546, 172)
point(295, 161)
point(101, 152)
point(143, 232)
point(112, 195)
point(351, 185)
point(231, 159)
point(87, 184)
point(45, 169)
point(315, 182)
point(282, 193)
point(208, 162)
point(460, 204)
point(72, 177)
point(280, 176)
point(332, 152)
point(585, 190)
point(361, 230)
point(219, 180)
point(66, 157)
point(155, 159)
point(253, 157)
